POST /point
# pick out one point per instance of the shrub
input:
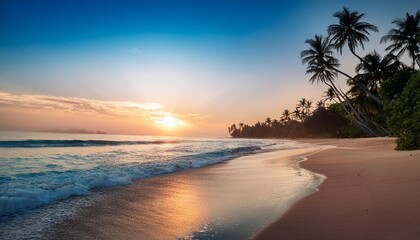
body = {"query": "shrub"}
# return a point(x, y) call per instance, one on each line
point(392, 87)
point(404, 115)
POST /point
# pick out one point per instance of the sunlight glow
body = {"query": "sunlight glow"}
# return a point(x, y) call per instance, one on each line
point(169, 122)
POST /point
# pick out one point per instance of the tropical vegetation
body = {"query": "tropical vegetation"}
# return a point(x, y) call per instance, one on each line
point(383, 96)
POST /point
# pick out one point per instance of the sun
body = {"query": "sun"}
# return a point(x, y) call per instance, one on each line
point(169, 122)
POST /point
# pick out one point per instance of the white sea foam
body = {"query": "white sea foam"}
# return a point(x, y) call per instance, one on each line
point(33, 177)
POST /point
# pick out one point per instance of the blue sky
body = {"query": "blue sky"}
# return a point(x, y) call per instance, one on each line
point(229, 60)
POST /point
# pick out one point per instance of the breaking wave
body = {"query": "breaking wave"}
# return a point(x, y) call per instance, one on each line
point(76, 143)
point(24, 191)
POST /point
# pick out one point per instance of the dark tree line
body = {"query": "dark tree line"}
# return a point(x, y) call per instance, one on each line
point(326, 119)
point(379, 86)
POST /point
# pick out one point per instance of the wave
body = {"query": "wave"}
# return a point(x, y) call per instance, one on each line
point(33, 190)
point(75, 143)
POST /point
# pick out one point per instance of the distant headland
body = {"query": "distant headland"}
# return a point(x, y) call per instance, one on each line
point(72, 130)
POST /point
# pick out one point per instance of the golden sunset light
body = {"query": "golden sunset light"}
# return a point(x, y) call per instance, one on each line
point(162, 119)
point(126, 116)
point(170, 122)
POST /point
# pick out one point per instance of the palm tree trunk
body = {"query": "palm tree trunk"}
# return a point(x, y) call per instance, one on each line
point(384, 131)
point(352, 112)
point(361, 124)
point(360, 58)
point(362, 116)
point(360, 85)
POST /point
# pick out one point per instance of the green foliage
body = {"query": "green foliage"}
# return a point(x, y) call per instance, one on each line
point(392, 87)
point(404, 116)
point(337, 109)
point(355, 131)
point(326, 123)
point(408, 141)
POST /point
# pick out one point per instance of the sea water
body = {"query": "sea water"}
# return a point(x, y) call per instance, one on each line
point(46, 176)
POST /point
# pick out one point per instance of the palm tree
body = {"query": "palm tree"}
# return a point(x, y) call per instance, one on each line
point(286, 116)
point(329, 95)
point(350, 31)
point(360, 100)
point(268, 121)
point(308, 106)
point(363, 103)
point(324, 66)
point(320, 104)
point(297, 114)
point(376, 69)
point(275, 123)
point(320, 60)
point(405, 37)
point(301, 105)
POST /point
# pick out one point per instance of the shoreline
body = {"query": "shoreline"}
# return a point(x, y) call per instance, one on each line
point(230, 200)
point(371, 192)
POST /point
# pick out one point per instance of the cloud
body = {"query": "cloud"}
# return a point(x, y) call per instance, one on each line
point(34, 112)
point(123, 109)
point(197, 116)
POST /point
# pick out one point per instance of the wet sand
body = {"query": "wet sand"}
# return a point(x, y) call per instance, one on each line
point(371, 192)
point(231, 200)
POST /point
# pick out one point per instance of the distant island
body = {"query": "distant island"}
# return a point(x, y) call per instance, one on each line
point(72, 130)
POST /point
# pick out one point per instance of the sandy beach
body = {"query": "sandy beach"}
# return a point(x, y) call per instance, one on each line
point(371, 192)
point(230, 200)
point(346, 189)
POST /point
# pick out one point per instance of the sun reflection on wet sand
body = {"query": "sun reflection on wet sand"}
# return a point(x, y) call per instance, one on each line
point(155, 208)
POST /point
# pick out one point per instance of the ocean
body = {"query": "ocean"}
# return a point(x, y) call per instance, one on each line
point(46, 177)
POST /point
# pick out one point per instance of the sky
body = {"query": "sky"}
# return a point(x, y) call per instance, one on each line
point(188, 68)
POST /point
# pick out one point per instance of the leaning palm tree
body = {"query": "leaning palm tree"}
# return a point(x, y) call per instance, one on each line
point(350, 31)
point(405, 37)
point(320, 60)
point(323, 67)
point(363, 103)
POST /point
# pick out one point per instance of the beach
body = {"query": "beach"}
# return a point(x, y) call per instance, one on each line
point(305, 189)
point(371, 192)
point(230, 200)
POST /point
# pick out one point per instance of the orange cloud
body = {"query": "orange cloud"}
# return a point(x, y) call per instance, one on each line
point(141, 116)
